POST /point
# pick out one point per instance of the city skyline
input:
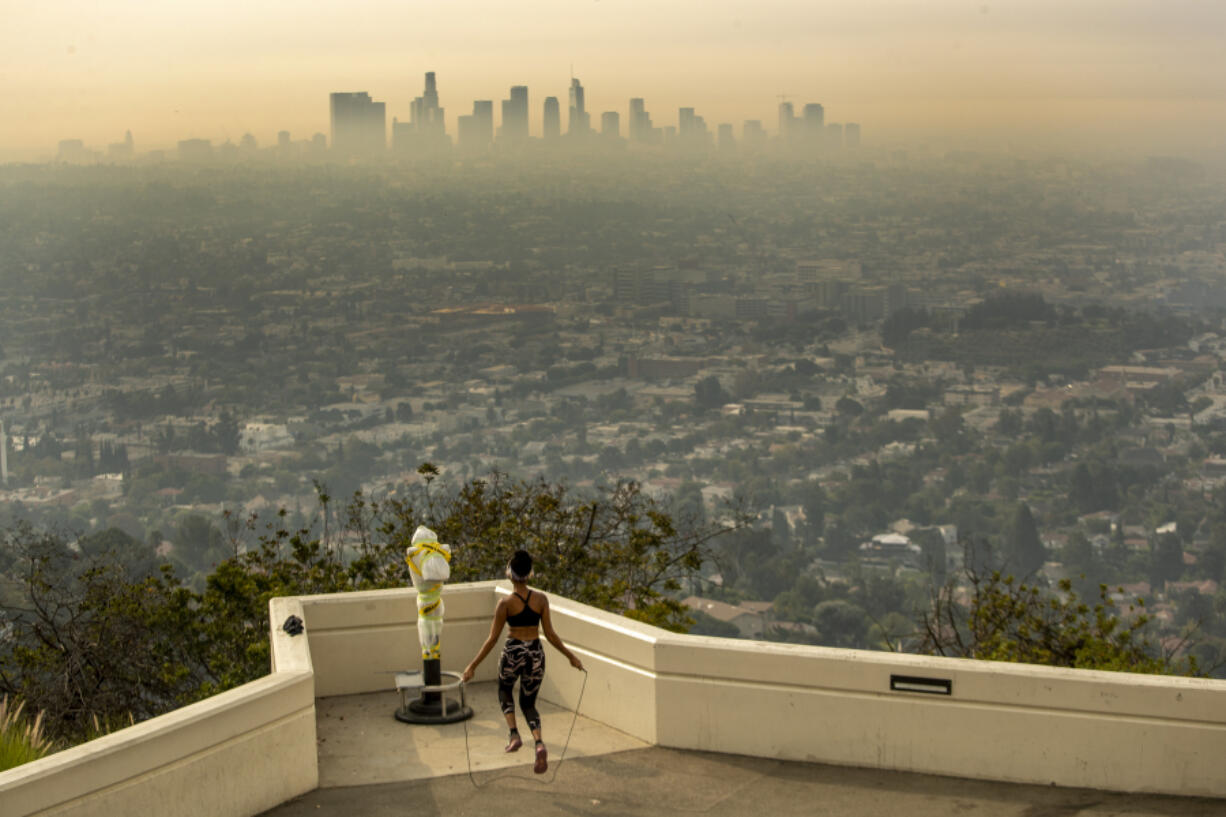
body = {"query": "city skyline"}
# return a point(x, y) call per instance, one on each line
point(358, 127)
point(1132, 73)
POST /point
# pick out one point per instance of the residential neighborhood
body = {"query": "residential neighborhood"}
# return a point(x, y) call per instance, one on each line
point(893, 365)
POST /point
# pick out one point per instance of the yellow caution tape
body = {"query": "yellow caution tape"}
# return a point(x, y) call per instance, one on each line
point(430, 548)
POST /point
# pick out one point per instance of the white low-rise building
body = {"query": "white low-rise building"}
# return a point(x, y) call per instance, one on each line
point(264, 436)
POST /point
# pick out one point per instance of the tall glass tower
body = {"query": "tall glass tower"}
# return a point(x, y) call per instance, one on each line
point(579, 123)
point(359, 124)
point(551, 126)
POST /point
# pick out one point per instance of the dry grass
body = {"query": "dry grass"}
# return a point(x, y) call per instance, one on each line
point(20, 739)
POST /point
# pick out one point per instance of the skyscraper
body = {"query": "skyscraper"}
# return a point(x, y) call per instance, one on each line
point(514, 128)
point(639, 127)
point(425, 113)
point(74, 151)
point(634, 125)
point(195, 150)
point(430, 95)
point(551, 124)
point(425, 132)
point(579, 123)
point(610, 125)
point(753, 134)
point(121, 150)
point(685, 122)
point(476, 132)
point(787, 120)
point(483, 111)
point(359, 124)
point(833, 137)
point(813, 123)
point(691, 129)
point(851, 135)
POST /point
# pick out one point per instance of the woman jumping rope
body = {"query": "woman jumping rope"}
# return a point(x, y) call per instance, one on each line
point(523, 657)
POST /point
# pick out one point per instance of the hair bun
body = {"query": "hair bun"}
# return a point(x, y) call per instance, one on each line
point(520, 565)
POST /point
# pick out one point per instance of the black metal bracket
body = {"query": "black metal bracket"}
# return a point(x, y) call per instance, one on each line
point(928, 686)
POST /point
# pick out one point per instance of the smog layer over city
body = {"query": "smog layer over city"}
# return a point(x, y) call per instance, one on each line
point(804, 322)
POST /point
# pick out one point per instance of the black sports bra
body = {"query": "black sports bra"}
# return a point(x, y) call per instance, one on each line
point(526, 617)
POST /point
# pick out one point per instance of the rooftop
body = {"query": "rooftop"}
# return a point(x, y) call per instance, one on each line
point(360, 743)
point(371, 765)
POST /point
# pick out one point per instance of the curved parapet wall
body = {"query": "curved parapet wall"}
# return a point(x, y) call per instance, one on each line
point(990, 720)
point(359, 639)
point(951, 716)
point(237, 753)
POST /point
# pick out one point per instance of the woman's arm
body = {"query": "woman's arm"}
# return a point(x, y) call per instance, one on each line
point(500, 619)
point(551, 634)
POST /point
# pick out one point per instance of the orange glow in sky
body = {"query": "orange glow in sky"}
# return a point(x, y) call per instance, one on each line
point(1103, 69)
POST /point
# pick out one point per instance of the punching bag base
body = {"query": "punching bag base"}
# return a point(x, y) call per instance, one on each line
point(437, 711)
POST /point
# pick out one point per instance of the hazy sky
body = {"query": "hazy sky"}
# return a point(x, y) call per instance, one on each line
point(1130, 71)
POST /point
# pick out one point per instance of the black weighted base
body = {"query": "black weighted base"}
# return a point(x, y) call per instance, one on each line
point(424, 711)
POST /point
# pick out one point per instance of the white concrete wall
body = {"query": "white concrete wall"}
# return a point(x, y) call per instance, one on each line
point(359, 639)
point(619, 655)
point(1006, 722)
point(236, 754)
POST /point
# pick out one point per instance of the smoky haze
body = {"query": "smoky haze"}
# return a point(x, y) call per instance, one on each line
point(1125, 75)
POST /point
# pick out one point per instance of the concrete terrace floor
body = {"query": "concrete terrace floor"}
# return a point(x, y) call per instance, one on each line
point(371, 765)
point(361, 743)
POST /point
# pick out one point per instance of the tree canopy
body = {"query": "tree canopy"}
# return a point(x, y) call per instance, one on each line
point(99, 634)
point(1001, 619)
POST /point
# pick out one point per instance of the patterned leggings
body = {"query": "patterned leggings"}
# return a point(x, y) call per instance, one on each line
point(524, 660)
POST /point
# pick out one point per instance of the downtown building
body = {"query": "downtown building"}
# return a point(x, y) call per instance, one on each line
point(425, 133)
point(551, 119)
point(359, 125)
point(513, 132)
point(475, 132)
point(639, 127)
point(579, 124)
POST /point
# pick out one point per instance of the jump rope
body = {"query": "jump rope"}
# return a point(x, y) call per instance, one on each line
point(543, 782)
point(469, 757)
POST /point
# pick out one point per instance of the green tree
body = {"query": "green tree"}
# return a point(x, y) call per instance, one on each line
point(1080, 562)
point(932, 545)
point(709, 394)
point(226, 432)
point(1009, 422)
point(999, 619)
point(848, 407)
point(137, 558)
point(1023, 546)
point(1166, 560)
point(949, 429)
point(841, 623)
point(1082, 492)
point(87, 641)
point(813, 501)
point(198, 542)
